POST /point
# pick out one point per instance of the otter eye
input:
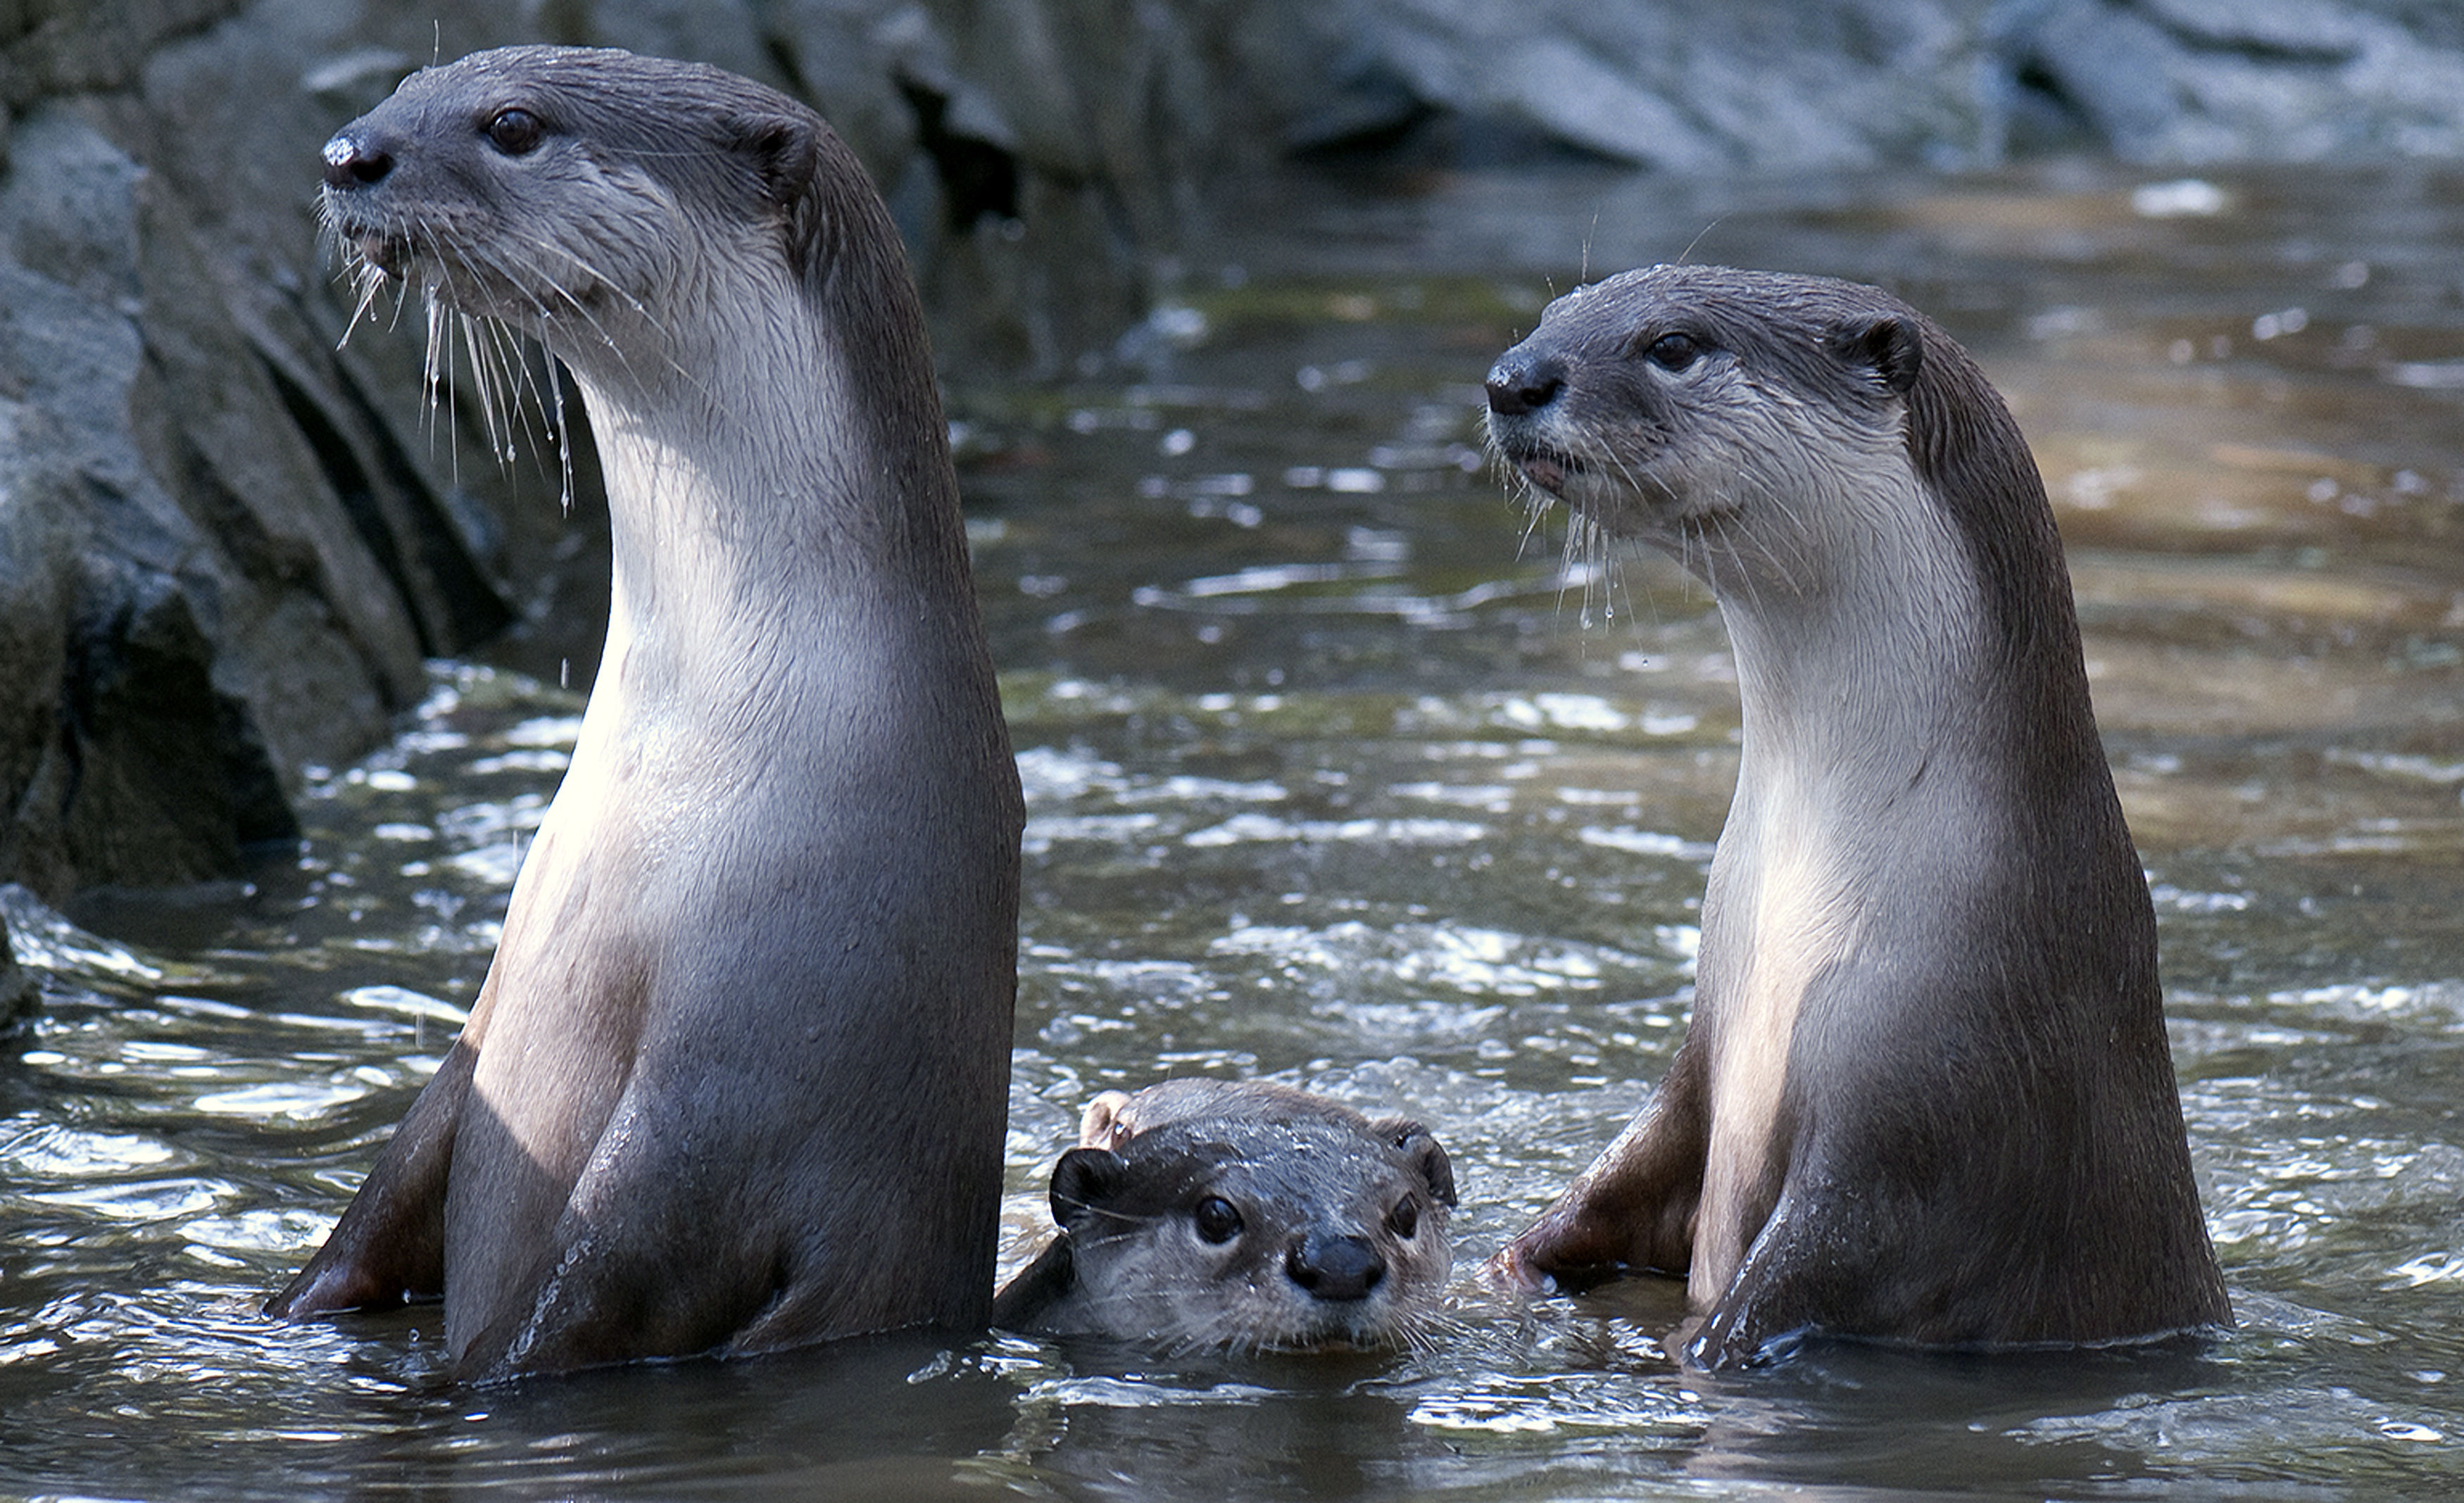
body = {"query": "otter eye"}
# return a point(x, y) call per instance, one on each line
point(1404, 1219)
point(516, 132)
point(1218, 1220)
point(1674, 351)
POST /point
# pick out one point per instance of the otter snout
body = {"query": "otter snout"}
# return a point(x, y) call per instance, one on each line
point(1519, 382)
point(358, 159)
point(1526, 418)
point(1335, 1267)
point(355, 161)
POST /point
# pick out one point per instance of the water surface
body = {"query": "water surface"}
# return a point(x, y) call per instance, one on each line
point(1341, 772)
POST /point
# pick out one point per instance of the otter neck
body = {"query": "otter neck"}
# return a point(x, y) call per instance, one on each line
point(1862, 667)
point(758, 492)
point(1862, 644)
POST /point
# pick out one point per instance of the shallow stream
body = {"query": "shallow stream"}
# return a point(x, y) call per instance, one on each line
point(1341, 772)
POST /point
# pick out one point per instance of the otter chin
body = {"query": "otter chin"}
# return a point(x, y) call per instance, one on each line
point(769, 923)
point(1925, 1095)
point(1240, 1216)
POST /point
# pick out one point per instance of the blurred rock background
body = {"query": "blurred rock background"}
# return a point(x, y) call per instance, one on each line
point(227, 544)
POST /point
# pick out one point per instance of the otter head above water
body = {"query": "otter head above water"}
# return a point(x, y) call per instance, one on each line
point(599, 201)
point(1211, 1215)
point(1925, 1094)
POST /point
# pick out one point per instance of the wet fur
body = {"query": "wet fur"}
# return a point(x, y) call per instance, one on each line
point(1925, 1095)
point(1129, 1262)
point(768, 925)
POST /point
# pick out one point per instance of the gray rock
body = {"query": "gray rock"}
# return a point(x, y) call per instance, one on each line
point(18, 994)
point(2185, 81)
point(1761, 83)
point(199, 617)
point(1789, 86)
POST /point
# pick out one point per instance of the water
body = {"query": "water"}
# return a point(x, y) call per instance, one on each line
point(1341, 773)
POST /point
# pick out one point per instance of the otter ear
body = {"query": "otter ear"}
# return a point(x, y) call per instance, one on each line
point(1882, 344)
point(1082, 1181)
point(1100, 1125)
point(1425, 1154)
point(786, 151)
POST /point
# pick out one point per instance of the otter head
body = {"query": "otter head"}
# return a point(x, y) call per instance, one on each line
point(1116, 1116)
point(583, 195)
point(1792, 440)
point(1714, 413)
point(1286, 1235)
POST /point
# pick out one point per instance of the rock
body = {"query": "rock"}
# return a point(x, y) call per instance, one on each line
point(1785, 86)
point(18, 994)
point(2186, 81)
point(197, 618)
point(1760, 83)
point(58, 47)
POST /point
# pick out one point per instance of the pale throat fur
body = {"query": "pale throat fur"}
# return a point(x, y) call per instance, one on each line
point(1844, 587)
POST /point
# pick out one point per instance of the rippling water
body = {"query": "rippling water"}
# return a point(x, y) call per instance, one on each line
point(1342, 773)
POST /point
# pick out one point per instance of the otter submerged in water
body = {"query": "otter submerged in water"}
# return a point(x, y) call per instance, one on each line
point(737, 1076)
point(1925, 1095)
point(1205, 1213)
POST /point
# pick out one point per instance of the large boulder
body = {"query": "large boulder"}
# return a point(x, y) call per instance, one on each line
point(1789, 85)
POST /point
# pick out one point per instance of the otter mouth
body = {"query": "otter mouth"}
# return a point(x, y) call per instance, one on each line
point(1550, 469)
point(386, 252)
point(368, 243)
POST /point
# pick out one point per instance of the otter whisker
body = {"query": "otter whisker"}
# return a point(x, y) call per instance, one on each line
point(615, 287)
point(483, 386)
point(436, 377)
point(514, 377)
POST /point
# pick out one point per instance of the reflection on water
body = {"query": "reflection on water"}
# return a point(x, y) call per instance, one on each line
point(1341, 772)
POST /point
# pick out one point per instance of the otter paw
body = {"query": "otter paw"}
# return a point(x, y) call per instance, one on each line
point(1509, 1271)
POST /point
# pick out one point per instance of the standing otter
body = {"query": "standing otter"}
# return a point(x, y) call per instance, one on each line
point(738, 1075)
point(1925, 1095)
point(1208, 1213)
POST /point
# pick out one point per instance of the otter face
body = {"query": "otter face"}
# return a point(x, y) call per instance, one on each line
point(1677, 403)
point(1258, 1235)
point(565, 191)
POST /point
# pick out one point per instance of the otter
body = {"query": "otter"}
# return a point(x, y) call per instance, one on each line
point(768, 924)
point(1202, 1214)
point(1925, 1095)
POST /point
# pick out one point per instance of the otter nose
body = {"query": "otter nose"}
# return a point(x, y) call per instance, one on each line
point(351, 162)
point(1335, 1267)
point(1518, 385)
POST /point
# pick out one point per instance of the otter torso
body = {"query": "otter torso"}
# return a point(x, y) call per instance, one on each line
point(1925, 1094)
point(1208, 1214)
point(768, 923)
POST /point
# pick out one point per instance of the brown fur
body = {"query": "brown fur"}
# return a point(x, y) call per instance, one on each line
point(1925, 1095)
point(1337, 1233)
point(769, 923)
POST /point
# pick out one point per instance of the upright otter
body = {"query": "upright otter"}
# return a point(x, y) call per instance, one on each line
point(737, 1078)
point(1207, 1213)
point(1925, 1095)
